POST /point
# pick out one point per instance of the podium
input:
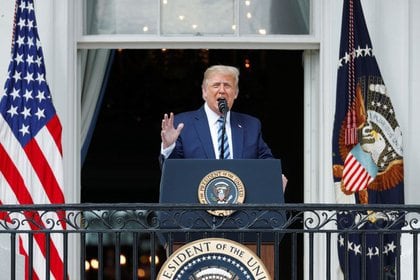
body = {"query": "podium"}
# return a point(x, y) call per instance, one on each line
point(190, 181)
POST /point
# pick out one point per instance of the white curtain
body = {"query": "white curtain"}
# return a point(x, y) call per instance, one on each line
point(95, 69)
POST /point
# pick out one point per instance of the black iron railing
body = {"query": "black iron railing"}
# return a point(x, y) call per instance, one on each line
point(133, 241)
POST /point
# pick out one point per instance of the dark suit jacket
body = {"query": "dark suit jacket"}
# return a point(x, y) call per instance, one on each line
point(195, 138)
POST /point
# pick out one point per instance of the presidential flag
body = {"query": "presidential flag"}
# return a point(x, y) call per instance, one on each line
point(367, 154)
point(31, 170)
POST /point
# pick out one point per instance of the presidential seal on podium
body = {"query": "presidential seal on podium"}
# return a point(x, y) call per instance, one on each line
point(213, 258)
point(221, 187)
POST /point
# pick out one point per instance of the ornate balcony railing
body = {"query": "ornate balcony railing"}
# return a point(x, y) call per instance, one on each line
point(133, 241)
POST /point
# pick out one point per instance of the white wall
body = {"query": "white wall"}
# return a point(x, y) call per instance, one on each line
point(412, 132)
point(6, 25)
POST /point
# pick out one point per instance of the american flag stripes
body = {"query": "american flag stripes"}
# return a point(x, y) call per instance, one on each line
point(31, 170)
point(359, 170)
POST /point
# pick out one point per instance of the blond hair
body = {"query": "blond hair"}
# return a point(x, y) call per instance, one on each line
point(224, 69)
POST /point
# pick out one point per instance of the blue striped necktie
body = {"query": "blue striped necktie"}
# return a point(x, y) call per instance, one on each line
point(222, 138)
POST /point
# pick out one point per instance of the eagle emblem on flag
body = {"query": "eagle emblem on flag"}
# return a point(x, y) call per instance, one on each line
point(376, 161)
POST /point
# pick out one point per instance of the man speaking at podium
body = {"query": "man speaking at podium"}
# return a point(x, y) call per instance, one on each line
point(214, 131)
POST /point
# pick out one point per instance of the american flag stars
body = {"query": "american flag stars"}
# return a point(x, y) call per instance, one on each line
point(356, 53)
point(26, 100)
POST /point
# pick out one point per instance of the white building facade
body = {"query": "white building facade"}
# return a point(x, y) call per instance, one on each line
point(394, 28)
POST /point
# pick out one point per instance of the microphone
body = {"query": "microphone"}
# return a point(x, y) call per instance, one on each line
point(223, 107)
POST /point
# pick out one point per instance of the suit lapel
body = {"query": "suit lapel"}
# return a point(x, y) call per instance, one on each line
point(237, 135)
point(203, 131)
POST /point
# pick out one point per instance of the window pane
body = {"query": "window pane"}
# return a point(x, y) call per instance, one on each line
point(274, 17)
point(121, 16)
point(198, 17)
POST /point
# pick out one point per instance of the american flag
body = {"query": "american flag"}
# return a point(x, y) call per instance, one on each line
point(31, 170)
point(367, 153)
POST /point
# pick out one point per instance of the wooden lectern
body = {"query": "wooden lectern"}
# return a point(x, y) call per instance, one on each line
point(262, 180)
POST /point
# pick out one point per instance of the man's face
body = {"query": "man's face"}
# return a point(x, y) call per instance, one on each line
point(220, 86)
